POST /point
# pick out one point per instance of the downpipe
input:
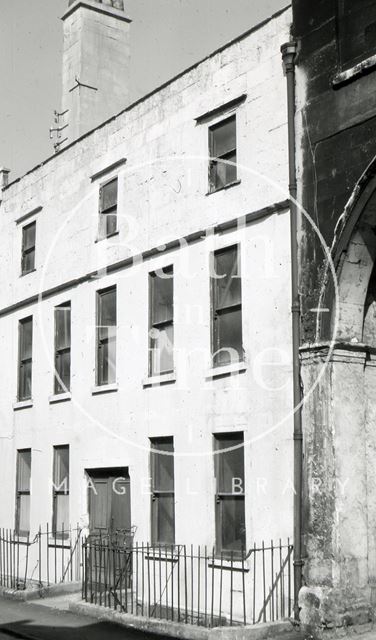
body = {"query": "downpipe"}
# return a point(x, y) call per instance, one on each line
point(288, 51)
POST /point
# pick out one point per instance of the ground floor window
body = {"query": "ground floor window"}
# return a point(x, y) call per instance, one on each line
point(60, 516)
point(229, 498)
point(23, 492)
point(163, 491)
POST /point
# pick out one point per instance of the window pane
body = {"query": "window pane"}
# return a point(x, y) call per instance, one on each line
point(25, 381)
point(228, 343)
point(23, 514)
point(107, 308)
point(230, 464)
point(61, 468)
point(233, 523)
point(23, 470)
point(28, 239)
point(227, 281)
point(61, 512)
point(161, 297)
point(26, 338)
point(165, 525)
point(163, 467)
point(111, 223)
point(223, 173)
point(223, 137)
point(62, 379)
point(162, 349)
point(109, 194)
point(107, 358)
point(28, 261)
point(63, 327)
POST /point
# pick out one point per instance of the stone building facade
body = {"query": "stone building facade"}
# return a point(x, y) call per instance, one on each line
point(90, 238)
point(335, 127)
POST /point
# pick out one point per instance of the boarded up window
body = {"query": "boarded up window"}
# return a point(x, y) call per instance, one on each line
point(108, 197)
point(227, 341)
point(28, 248)
point(23, 492)
point(60, 519)
point(357, 30)
point(163, 491)
point(222, 150)
point(106, 336)
point(229, 499)
point(25, 359)
point(161, 322)
point(62, 347)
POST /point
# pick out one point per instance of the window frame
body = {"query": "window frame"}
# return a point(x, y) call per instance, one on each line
point(60, 351)
point(63, 534)
point(346, 64)
point(29, 250)
point(21, 492)
point(156, 493)
point(22, 361)
point(159, 324)
point(221, 496)
point(217, 312)
point(104, 212)
point(100, 341)
point(213, 163)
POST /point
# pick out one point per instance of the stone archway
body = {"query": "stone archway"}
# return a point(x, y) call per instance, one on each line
point(339, 426)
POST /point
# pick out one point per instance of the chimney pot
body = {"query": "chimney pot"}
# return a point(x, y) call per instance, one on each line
point(4, 177)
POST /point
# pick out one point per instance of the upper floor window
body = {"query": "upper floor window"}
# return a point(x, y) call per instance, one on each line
point(161, 321)
point(25, 358)
point(222, 151)
point(108, 197)
point(28, 248)
point(23, 482)
point(226, 325)
point(356, 30)
point(106, 336)
point(62, 348)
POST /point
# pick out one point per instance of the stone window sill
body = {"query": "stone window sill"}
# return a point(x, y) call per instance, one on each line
point(22, 404)
point(60, 397)
point(27, 273)
point(156, 381)
point(105, 388)
point(226, 186)
point(226, 370)
point(360, 69)
point(110, 235)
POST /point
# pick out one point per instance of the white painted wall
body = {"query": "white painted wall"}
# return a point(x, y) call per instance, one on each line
point(162, 197)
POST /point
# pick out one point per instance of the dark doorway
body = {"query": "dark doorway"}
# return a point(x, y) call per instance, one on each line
point(109, 493)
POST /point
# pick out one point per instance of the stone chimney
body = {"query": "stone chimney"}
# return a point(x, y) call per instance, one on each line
point(95, 66)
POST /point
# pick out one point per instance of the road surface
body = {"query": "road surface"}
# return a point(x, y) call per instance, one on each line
point(28, 621)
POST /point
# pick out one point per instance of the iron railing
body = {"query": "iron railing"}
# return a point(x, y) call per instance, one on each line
point(48, 557)
point(192, 585)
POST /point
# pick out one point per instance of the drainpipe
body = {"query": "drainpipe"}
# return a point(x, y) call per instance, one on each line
point(288, 56)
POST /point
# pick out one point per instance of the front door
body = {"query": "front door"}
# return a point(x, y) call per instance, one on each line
point(109, 501)
point(109, 554)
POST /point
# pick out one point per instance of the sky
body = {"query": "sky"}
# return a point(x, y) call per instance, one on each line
point(166, 37)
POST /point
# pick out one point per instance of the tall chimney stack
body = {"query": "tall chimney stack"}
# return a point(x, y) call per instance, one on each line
point(95, 66)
